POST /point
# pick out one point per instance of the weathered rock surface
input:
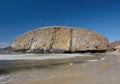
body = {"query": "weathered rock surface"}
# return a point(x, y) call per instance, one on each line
point(60, 39)
point(114, 45)
point(114, 48)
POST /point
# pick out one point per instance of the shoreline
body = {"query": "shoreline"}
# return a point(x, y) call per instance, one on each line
point(41, 56)
point(103, 72)
point(18, 62)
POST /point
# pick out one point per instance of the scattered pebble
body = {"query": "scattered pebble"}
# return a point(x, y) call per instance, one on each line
point(71, 64)
point(102, 58)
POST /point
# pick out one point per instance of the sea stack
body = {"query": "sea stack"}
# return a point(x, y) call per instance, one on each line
point(59, 39)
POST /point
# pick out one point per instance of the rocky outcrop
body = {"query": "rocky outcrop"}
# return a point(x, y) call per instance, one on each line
point(114, 45)
point(114, 48)
point(60, 39)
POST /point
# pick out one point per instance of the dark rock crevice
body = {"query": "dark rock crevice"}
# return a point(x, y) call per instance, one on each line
point(71, 37)
point(30, 44)
point(52, 41)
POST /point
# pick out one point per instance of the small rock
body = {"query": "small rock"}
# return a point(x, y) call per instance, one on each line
point(71, 64)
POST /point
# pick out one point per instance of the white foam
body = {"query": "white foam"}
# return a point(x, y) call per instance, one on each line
point(39, 56)
point(95, 60)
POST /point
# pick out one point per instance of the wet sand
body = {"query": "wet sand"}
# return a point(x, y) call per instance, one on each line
point(104, 71)
point(19, 62)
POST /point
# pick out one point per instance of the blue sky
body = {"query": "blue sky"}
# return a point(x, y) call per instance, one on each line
point(20, 16)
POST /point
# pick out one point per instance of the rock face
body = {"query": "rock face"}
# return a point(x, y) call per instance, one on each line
point(114, 46)
point(60, 39)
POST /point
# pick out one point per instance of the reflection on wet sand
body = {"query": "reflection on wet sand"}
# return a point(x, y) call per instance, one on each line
point(105, 71)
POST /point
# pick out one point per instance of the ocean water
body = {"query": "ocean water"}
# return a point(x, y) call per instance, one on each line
point(102, 69)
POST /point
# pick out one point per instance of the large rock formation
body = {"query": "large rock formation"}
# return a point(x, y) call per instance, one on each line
point(60, 39)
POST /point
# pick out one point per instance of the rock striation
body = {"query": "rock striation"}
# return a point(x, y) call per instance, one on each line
point(59, 39)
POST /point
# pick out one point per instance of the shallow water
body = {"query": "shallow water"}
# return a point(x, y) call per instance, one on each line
point(104, 70)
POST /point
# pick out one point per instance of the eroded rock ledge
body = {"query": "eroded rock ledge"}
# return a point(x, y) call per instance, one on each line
point(58, 39)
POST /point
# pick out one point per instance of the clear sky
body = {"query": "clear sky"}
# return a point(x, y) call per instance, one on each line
point(20, 16)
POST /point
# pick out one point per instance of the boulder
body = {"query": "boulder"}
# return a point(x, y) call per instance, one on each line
point(59, 39)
